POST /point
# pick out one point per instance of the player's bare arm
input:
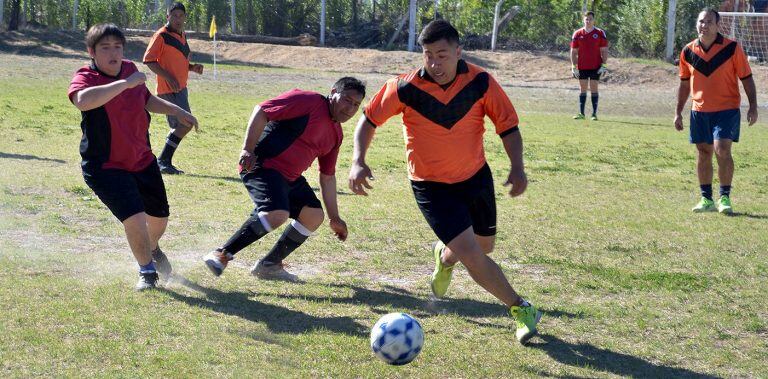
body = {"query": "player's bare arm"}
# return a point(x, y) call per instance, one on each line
point(513, 145)
point(256, 125)
point(160, 71)
point(197, 68)
point(158, 105)
point(751, 91)
point(94, 97)
point(359, 173)
point(328, 191)
point(683, 91)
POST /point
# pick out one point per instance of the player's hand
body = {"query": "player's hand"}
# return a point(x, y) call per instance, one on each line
point(575, 71)
point(174, 84)
point(186, 119)
point(137, 78)
point(518, 181)
point(197, 68)
point(339, 228)
point(602, 70)
point(752, 115)
point(247, 161)
point(359, 174)
point(678, 122)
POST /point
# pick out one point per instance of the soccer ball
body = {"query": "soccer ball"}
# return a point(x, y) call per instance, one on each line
point(397, 338)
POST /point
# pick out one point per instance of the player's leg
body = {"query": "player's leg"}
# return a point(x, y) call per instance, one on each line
point(307, 214)
point(118, 190)
point(593, 81)
point(701, 134)
point(269, 191)
point(176, 134)
point(152, 190)
point(583, 85)
point(726, 132)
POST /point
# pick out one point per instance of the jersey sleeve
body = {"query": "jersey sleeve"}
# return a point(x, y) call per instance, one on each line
point(603, 39)
point(384, 104)
point(685, 71)
point(289, 105)
point(574, 40)
point(154, 49)
point(741, 63)
point(327, 162)
point(82, 80)
point(499, 108)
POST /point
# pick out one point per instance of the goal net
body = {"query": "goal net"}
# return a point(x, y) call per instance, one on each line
point(749, 29)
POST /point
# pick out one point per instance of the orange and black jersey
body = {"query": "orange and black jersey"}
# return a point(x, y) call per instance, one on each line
point(171, 51)
point(444, 127)
point(714, 73)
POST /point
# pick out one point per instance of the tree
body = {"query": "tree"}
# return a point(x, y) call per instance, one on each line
point(13, 23)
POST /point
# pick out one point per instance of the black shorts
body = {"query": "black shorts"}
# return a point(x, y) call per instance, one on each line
point(452, 208)
point(589, 74)
point(128, 193)
point(270, 191)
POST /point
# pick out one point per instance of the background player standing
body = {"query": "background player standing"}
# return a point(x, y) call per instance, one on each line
point(589, 58)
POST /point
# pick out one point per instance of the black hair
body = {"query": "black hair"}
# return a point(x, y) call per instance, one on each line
point(713, 11)
point(175, 6)
point(437, 30)
point(100, 31)
point(347, 83)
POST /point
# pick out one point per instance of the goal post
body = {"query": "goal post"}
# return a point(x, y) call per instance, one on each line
point(749, 29)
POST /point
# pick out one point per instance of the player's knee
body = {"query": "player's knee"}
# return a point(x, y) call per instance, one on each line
point(723, 152)
point(312, 218)
point(276, 218)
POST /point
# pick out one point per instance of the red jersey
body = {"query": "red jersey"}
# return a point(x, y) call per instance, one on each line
point(300, 129)
point(116, 134)
point(589, 44)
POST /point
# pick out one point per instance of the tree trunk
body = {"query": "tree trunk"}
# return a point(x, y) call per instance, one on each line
point(13, 23)
point(354, 14)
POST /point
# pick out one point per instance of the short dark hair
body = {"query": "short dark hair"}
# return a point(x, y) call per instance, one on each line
point(589, 13)
point(437, 30)
point(177, 5)
point(100, 31)
point(347, 83)
point(713, 11)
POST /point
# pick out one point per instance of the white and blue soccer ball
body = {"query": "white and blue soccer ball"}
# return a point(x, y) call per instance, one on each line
point(397, 338)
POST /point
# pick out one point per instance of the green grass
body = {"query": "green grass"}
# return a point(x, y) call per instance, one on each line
point(631, 282)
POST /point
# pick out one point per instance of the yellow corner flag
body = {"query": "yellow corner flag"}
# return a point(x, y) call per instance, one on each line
point(212, 32)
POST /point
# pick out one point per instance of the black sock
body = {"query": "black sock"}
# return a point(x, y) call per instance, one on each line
point(582, 102)
point(249, 233)
point(706, 191)
point(171, 143)
point(725, 191)
point(288, 242)
point(595, 97)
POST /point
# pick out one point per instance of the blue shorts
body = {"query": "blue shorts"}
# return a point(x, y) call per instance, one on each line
point(709, 126)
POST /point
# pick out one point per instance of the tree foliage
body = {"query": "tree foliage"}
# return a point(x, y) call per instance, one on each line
point(634, 27)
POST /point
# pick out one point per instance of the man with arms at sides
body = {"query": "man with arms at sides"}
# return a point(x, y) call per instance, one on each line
point(443, 106)
point(711, 67)
point(589, 60)
point(118, 164)
point(284, 136)
point(167, 56)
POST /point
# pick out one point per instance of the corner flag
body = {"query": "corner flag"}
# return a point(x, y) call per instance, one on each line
point(212, 32)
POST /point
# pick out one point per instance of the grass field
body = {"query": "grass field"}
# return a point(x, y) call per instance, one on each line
point(631, 283)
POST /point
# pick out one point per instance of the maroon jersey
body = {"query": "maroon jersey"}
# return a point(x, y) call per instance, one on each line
point(300, 129)
point(116, 134)
point(589, 44)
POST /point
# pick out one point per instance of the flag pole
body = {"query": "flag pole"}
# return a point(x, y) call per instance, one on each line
point(214, 56)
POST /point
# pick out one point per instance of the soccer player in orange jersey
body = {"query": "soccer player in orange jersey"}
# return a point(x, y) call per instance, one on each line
point(710, 68)
point(589, 59)
point(443, 106)
point(167, 56)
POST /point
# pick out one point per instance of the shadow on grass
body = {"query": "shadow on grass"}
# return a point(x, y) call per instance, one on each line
point(748, 215)
point(636, 123)
point(225, 178)
point(277, 319)
point(29, 157)
point(586, 355)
